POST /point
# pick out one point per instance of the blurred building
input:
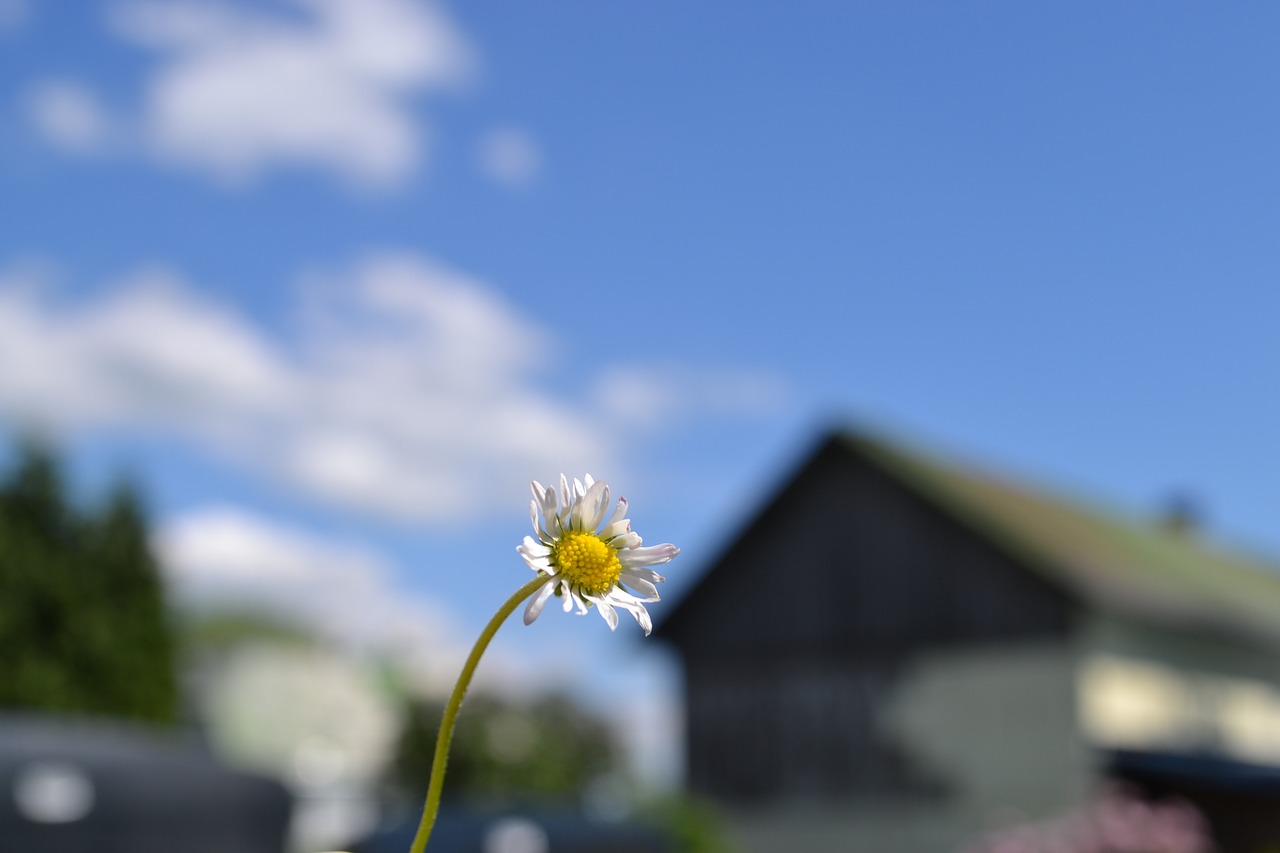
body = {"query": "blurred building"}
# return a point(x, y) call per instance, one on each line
point(900, 652)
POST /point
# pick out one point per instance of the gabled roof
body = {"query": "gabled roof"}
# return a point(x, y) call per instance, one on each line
point(1141, 568)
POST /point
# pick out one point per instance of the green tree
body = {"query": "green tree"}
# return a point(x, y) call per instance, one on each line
point(547, 749)
point(83, 626)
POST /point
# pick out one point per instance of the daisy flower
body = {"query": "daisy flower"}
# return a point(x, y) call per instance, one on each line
point(589, 560)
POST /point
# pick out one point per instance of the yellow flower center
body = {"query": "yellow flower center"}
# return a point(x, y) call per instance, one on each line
point(587, 563)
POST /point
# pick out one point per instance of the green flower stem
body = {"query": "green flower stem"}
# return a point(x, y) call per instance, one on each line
point(445, 737)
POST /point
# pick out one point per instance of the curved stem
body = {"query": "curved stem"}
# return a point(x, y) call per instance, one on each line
point(445, 736)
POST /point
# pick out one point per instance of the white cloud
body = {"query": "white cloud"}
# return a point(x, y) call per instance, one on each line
point(345, 591)
point(407, 390)
point(13, 15)
point(70, 116)
point(328, 85)
point(429, 396)
point(510, 157)
point(403, 389)
point(651, 395)
point(154, 352)
point(226, 554)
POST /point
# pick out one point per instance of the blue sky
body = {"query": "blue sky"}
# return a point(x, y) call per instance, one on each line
point(336, 280)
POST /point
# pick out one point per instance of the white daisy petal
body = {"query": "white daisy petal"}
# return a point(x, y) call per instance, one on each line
point(642, 616)
point(607, 612)
point(628, 541)
point(641, 588)
point(644, 574)
point(534, 548)
point(578, 516)
point(592, 505)
point(654, 555)
point(638, 611)
point(614, 529)
point(619, 512)
point(550, 518)
point(538, 601)
point(536, 521)
point(539, 564)
point(566, 504)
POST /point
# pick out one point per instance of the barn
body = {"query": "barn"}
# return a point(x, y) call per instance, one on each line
point(901, 651)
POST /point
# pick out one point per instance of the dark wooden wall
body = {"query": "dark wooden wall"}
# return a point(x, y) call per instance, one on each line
point(796, 637)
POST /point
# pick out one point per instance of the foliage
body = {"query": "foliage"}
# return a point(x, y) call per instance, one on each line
point(82, 617)
point(692, 823)
point(218, 630)
point(547, 749)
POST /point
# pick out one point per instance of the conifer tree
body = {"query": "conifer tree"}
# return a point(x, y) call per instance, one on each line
point(83, 626)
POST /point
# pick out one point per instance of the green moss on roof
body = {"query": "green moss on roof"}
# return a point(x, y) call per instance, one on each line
point(1115, 563)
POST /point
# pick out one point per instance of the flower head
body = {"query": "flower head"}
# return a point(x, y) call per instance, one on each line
point(589, 560)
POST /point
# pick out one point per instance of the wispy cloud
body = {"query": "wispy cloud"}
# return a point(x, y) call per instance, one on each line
point(13, 15)
point(346, 592)
point(153, 352)
point(329, 85)
point(227, 554)
point(669, 394)
point(71, 117)
point(509, 157)
point(404, 389)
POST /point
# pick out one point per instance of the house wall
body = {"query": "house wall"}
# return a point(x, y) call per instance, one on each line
point(992, 727)
point(807, 628)
point(850, 563)
point(854, 828)
point(998, 724)
point(801, 733)
point(1149, 687)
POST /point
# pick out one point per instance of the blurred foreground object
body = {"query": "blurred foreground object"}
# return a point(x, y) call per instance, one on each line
point(297, 709)
point(78, 785)
point(83, 626)
point(1120, 822)
point(461, 831)
point(951, 644)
